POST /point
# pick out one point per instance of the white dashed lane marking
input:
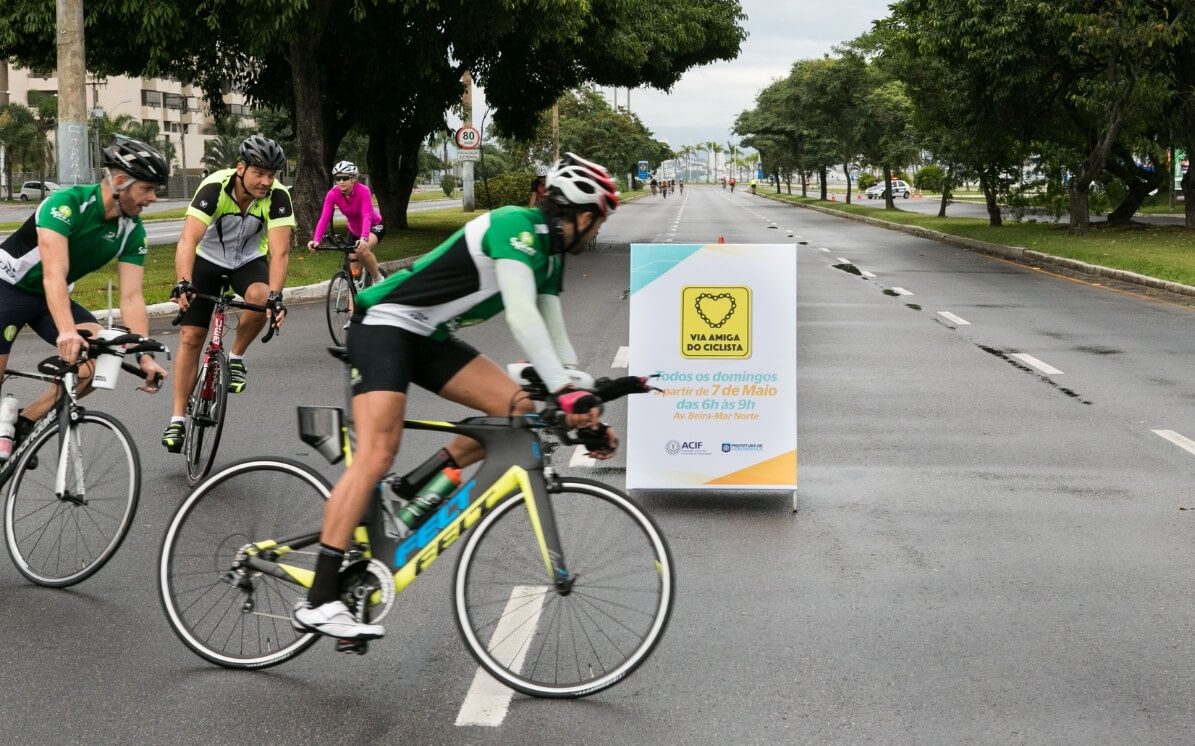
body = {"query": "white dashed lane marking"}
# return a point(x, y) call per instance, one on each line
point(954, 319)
point(1181, 441)
point(1031, 361)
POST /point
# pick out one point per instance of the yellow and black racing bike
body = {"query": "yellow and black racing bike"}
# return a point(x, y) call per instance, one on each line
point(562, 588)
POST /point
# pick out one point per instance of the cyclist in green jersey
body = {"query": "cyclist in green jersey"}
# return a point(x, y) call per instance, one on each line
point(74, 232)
point(401, 333)
point(237, 217)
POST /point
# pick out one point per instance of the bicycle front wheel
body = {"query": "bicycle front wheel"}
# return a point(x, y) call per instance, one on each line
point(61, 539)
point(238, 554)
point(205, 417)
point(548, 643)
point(339, 308)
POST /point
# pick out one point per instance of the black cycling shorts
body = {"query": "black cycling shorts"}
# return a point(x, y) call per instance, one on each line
point(19, 309)
point(379, 230)
point(390, 359)
point(205, 276)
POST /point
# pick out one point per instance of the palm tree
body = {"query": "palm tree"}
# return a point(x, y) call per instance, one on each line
point(24, 139)
point(714, 149)
point(221, 151)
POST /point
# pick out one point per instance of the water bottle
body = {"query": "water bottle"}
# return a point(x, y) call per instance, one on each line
point(431, 496)
point(8, 425)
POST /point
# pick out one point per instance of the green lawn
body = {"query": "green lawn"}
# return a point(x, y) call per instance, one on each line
point(427, 230)
point(1165, 252)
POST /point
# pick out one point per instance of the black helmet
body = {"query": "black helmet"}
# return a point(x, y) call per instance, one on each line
point(262, 152)
point(136, 159)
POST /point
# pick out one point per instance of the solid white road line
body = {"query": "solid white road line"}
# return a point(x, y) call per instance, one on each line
point(1182, 442)
point(1029, 360)
point(954, 319)
point(488, 701)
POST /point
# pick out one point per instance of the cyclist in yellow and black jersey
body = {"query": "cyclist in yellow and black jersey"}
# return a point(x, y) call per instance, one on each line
point(237, 218)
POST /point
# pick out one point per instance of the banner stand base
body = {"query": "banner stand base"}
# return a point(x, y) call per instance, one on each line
point(677, 492)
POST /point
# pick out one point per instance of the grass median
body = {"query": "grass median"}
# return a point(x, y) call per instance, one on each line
point(427, 230)
point(1166, 252)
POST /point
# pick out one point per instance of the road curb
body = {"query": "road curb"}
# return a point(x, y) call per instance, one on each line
point(1014, 253)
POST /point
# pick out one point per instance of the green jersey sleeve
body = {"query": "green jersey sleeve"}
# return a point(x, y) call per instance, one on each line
point(511, 235)
point(59, 212)
point(136, 247)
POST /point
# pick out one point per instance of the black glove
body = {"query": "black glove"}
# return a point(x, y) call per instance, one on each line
point(181, 288)
point(274, 303)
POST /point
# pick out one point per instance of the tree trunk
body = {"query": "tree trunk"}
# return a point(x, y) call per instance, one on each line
point(311, 175)
point(1078, 205)
point(394, 165)
point(947, 190)
point(889, 203)
point(822, 173)
point(1139, 181)
point(1188, 183)
point(989, 195)
point(846, 171)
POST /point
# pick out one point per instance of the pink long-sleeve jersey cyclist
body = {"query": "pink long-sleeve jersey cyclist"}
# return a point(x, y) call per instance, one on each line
point(358, 210)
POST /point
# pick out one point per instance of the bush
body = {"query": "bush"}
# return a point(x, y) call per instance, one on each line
point(865, 181)
point(448, 184)
point(930, 178)
point(510, 188)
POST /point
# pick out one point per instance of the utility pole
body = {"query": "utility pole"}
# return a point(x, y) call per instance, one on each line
point(73, 164)
point(555, 132)
point(467, 202)
point(4, 102)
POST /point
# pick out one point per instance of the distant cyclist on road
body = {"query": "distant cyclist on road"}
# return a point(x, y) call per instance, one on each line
point(402, 333)
point(355, 202)
point(74, 232)
point(237, 216)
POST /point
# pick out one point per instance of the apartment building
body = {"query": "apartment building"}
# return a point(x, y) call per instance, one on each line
point(177, 107)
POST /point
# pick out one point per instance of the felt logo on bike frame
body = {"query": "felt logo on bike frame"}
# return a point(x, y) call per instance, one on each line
point(715, 322)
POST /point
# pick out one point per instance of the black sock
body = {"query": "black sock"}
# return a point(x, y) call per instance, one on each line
point(325, 587)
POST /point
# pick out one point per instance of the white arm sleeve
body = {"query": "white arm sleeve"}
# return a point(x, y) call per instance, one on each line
point(519, 296)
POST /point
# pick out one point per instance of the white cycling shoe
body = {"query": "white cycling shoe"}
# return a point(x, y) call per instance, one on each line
point(335, 620)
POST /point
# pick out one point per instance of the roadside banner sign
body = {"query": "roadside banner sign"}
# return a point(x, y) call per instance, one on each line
point(644, 171)
point(468, 155)
point(718, 323)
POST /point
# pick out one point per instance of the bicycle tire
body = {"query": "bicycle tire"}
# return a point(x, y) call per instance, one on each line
point(339, 307)
point(240, 618)
point(205, 418)
point(58, 542)
point(548, 644)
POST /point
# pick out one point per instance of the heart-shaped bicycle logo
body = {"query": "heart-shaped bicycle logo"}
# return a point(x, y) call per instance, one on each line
point(710, 306)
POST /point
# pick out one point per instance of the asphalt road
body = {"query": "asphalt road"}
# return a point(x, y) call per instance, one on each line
point(991, 548)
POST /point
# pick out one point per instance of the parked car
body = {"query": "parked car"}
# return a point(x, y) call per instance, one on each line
point(900, 188)
point(33, 190)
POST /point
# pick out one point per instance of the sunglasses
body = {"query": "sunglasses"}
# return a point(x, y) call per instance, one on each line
point(344, 178)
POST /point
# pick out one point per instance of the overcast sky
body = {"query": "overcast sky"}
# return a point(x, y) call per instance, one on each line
point(703, 105)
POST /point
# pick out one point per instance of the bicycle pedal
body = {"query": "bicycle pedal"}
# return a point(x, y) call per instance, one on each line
point(360, 647)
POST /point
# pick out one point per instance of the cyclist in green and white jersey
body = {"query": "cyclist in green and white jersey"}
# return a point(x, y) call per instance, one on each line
point(237, 218)
point(74, 232)
point(402, 332)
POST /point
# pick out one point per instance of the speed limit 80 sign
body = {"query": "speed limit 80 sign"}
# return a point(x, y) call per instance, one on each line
point(468, 138)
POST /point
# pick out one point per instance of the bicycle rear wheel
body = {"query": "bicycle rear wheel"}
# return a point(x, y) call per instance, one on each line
point(226, 611)
point(205, 417)
point(545, 643)
point(339, 306)
point(61, 540)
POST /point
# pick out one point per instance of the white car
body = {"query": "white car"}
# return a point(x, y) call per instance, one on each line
point(900, 188)
point(33, 190)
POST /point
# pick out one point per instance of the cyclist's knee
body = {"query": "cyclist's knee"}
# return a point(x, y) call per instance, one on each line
point(191, 336)
point(256, 293)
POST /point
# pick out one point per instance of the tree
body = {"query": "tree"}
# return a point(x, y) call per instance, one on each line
point(403, 69)
point(222, 150)
point(24, 141)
